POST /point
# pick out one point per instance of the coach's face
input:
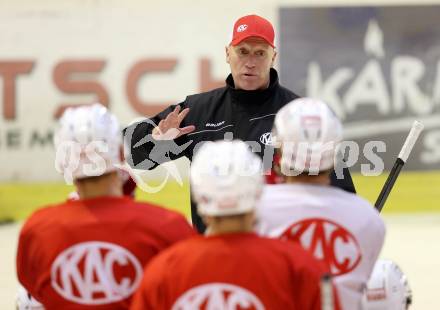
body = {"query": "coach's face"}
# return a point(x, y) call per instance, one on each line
point(250, 63)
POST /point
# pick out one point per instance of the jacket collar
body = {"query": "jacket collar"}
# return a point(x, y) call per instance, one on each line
point(252, 96)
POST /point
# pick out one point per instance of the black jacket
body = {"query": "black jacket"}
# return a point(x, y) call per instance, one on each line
point(247, 115)
point(244, 115)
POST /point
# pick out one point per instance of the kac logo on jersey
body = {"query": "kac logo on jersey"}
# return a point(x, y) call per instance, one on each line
point(95, 273)
point(328, 241)
point(266, 138)
point(242, 28)
point(214, 296)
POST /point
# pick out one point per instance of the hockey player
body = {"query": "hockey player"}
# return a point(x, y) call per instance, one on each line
point(90, 253)
point(230, 268)
point(387, 289)
point(337, 227)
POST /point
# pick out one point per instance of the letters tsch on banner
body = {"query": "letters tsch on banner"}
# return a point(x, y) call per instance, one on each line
point(65, 78)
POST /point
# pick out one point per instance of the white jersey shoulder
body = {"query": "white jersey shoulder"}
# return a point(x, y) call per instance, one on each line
point(283, 204)
point(339, 228)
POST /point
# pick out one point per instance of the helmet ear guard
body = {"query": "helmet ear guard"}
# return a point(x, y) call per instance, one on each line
point(387, 288)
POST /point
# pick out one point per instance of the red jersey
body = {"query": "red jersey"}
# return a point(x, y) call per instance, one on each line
point(231, 271)
point(90, 254)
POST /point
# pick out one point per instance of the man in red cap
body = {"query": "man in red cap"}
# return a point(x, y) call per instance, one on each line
point(251, 53)
point(244, 109)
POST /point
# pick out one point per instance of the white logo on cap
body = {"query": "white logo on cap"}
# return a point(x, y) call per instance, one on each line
point(242, 28)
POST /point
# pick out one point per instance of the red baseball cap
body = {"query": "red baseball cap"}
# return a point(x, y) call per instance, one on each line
point(252, 26)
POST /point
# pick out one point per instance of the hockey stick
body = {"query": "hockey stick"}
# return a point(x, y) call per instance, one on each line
point(326, 292)
point(407, 147)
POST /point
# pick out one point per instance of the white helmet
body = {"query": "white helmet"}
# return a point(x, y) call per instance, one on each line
point(88, 142)
point(226, 178)
point(309, 134)
point(387, 289)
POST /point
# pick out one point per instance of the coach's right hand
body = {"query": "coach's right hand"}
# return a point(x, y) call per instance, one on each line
point(169, 127)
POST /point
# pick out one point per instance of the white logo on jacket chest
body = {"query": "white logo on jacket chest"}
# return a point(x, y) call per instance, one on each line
point(214, 124)
point(95, 273)
point(266, 138)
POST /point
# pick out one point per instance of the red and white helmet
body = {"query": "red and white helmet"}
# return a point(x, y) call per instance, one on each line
point(309, 134)
point(88, 142)
point(226, 178)
point(387, 289)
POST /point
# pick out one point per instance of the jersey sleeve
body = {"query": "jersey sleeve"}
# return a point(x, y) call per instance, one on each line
point(144, 151)
point(151, 294)
point(376, 229)
point(177, 228)
point(140, 299)
point(308, 271)
point(27, 259)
